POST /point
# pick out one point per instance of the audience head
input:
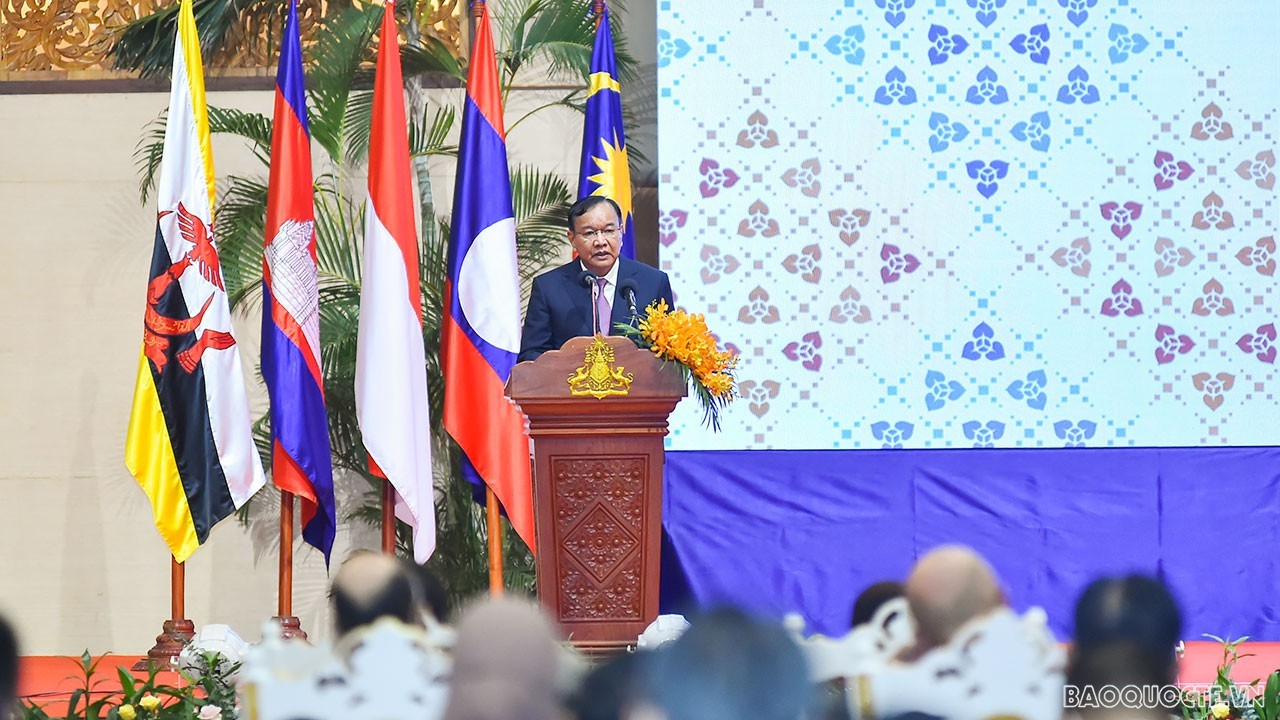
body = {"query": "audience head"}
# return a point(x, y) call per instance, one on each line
point(1136, 609)
point(873, 598)
point(1121, 665)
point(8, 668)
point(727, 666)
point(370, 586)
point(504, 663)
point(428, 592)
point(949, 587)
point(595, 232)
point(608, 690)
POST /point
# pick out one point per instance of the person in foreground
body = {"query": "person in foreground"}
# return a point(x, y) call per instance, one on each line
point(566, 301)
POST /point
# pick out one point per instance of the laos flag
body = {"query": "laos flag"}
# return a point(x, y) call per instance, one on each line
point(300, 460)
point(481, 327)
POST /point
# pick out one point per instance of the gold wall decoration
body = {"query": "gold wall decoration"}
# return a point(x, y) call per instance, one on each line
point(63, 39)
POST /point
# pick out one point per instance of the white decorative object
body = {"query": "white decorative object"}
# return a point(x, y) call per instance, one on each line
point(386, 671)
point(664, 629)
point(997, 665)
point(864, 648)
point(214, 638)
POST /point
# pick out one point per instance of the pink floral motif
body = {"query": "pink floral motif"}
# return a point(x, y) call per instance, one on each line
point(1169, 344)
point(805, 177)
point(1170, 257)
point(758, 308)
point(714, 264)
point(758, 395)
point(1121, 217)
point(714, 178)
point(849, 222)
point(757, 131)
point(1211, 124)
point(1168, 170)
point(1260, 344)
point(806, 351)
point(1260, 255)
point(806, 263)
point(668, 224)
point(1213, 301)
point(758, 221)
point(1213, 387)
point(1212, 214)
point(1121, 301)
point(850, 308)
point(1259, 170)
point(1075, 257)
point(896, 263)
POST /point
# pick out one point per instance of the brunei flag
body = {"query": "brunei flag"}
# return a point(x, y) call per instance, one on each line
point(604, 169)
point(391, 363)
point(300, 460)
point(480, 334)
point(189, 442)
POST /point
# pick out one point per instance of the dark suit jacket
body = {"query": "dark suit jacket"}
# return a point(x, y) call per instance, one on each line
point(560, 306)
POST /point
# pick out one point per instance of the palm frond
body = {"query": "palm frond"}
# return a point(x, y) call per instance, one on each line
point(146, 44)
point(427, 135)
point(149, 154)
point(254, 127)
point(541, 201)
point(241, 231)
point(356, 125)
point(342, 44)
point(432, 57)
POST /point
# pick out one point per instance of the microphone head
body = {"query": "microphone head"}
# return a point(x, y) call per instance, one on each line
point(586, 278)
point(628, 285)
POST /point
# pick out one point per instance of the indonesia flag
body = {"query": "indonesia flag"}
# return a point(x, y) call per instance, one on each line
point(300, 461)
point(481, 327)
point(391, 365)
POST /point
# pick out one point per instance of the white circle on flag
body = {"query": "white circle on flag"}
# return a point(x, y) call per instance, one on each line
point(489, 286)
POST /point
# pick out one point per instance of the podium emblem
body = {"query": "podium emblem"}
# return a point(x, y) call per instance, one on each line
point(598, 376)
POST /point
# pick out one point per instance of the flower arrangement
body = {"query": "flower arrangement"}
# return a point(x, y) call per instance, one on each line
point(683, 338)
point(1228, 701)
point(206, 693)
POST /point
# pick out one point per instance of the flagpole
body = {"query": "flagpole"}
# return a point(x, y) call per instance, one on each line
point(597, 7)
point(290, 625)
point(388, 517)
point(176, 631)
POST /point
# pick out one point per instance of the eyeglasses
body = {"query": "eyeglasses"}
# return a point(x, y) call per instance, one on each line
point(608, 233)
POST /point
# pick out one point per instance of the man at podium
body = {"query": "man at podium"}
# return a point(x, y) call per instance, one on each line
point(594, 290)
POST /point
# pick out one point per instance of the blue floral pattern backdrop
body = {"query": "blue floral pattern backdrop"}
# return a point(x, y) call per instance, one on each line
point(977, 223)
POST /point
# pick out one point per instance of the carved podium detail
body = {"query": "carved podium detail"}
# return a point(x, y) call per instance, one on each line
point(599, 512)
point(597, 484)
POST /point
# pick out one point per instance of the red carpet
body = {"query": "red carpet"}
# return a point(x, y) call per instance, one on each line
point(48, 680)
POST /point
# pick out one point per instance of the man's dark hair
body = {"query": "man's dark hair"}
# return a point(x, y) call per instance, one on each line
point(607, 691)
point(1135, 609)
point(871, 599)
point(429, 592)
point(362, 600)
point(1122, 665)
point(585, 204)
point(729, 665)
point(8, 668)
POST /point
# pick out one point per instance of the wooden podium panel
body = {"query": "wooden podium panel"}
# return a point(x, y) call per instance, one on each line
point(597, 484)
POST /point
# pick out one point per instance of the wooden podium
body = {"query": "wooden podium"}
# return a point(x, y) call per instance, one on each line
point(597, 412)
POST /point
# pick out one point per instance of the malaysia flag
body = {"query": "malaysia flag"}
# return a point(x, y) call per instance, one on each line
point(481, 326)
point(300, 459)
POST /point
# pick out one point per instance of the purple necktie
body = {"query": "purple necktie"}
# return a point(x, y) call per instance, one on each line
point(603, 311)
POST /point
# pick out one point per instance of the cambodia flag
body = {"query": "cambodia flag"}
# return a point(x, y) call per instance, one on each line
point(391, 362)
point(481, 328)
point(300, 459)
point(604, 169)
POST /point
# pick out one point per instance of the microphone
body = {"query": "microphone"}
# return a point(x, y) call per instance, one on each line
point(587, 278)
point(627, 288)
